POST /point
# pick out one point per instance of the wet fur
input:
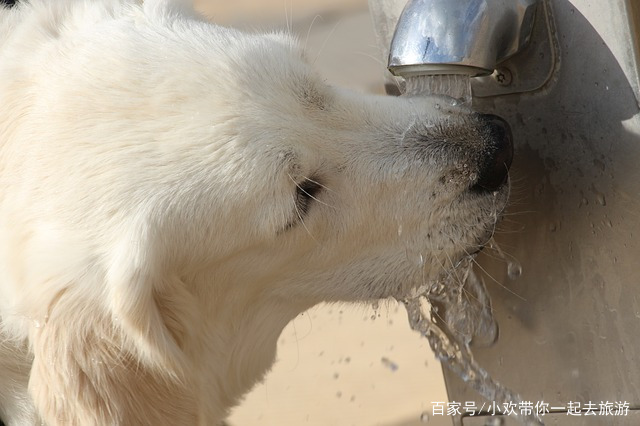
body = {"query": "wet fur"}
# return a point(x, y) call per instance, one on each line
point(154, 239)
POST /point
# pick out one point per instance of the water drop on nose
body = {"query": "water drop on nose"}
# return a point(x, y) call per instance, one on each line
point(424, 417)
point(514, 270)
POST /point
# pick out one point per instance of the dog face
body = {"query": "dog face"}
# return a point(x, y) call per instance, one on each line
point(174, 192)
point(350, 197)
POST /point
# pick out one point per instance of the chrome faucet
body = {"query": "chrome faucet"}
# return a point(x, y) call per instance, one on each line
point(459, 36)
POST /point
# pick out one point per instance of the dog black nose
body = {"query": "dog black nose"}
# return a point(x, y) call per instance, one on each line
point(498, 155)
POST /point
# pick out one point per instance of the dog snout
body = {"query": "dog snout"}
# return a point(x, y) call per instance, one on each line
point(497, 158)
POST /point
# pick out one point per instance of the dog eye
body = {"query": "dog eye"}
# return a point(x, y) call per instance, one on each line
point(306, 191)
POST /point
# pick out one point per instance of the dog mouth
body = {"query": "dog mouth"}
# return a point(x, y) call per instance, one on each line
point(457, 294)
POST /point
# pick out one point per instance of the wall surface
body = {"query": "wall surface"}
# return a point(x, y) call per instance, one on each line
point(569, 325)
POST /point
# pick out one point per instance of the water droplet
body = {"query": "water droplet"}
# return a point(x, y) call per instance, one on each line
point(399, 230)
point(514, 270)
point(415, 257)
point(424, 417)
point(389, 364)
point(540, 341)
point(600, 199)
point(37, 324)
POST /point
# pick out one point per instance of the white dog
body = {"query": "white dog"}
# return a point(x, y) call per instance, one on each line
point(173, 193)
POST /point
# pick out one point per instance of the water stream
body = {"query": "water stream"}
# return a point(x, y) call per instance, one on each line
point(456, 86)
point(454, 311)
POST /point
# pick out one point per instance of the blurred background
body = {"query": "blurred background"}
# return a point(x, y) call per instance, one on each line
point(340, 364)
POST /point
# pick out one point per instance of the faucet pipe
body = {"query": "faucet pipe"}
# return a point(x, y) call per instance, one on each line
point(459, 36)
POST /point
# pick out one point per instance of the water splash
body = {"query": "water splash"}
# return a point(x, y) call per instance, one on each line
point(457, 356)
point(455, 312)
point(457, 86)
point(514, 269)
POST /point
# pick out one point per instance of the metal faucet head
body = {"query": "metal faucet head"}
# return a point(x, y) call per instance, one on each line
point(459, 36)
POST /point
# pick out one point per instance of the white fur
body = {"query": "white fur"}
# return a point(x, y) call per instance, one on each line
point(150, 247)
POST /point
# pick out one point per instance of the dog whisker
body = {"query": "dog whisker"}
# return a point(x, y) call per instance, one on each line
point(311, 195)
point(335, 26)
point(301, 221)
point(498, 282)
point(306, 40)
point(319, 184)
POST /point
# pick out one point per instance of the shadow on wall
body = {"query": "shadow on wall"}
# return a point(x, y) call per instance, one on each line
point(573, 222)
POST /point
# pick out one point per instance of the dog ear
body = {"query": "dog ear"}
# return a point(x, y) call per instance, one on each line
point(133, 297)
point(152, 308)
point(115, 356)
point(84, 373)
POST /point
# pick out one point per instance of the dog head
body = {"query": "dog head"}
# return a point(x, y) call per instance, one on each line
point(342, 196)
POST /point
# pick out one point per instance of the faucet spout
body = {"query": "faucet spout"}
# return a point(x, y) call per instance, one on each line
point(459, 36)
